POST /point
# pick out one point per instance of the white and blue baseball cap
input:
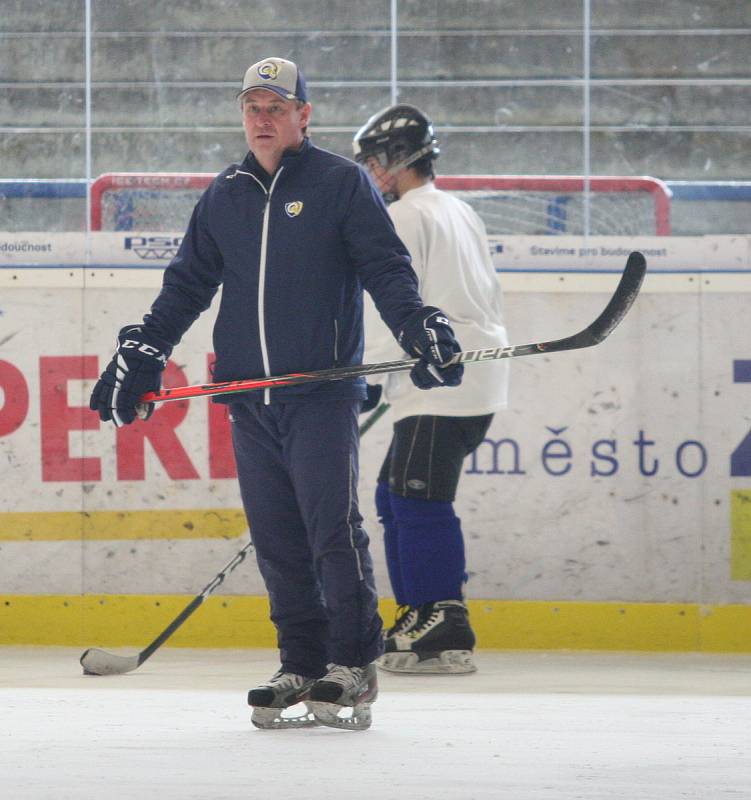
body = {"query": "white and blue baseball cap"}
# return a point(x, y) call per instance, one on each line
point(277, 75)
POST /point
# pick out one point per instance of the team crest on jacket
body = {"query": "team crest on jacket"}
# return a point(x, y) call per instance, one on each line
point(268, 71)
point(294, 208)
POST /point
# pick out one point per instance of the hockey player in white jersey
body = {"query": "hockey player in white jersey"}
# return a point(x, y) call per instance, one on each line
point(433, 431)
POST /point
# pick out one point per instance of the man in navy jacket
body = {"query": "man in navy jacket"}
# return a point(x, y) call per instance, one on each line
point(293, 235)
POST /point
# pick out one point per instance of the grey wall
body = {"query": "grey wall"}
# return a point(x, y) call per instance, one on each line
point(670, 83)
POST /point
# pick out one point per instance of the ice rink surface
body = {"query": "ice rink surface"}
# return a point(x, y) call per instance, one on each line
point(526, 726)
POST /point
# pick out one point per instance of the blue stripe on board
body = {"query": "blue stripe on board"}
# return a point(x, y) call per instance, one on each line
point(61, 189)
point(734, 191)
point(508, 270)
point(653, 271)
point(49, 189)
point(83, 266)
point(742, 371)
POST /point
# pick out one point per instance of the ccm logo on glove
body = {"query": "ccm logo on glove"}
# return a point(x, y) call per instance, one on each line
point(144, 348)
point(428, 335)
point(136, 368)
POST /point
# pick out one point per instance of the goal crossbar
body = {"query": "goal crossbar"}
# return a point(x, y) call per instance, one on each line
point(537, 204)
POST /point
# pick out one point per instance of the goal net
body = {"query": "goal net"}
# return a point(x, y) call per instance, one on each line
point(508, 204)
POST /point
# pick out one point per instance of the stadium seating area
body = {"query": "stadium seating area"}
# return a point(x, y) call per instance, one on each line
point(669, 96)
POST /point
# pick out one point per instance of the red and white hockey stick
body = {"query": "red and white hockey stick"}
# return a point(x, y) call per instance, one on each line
point(619, 304)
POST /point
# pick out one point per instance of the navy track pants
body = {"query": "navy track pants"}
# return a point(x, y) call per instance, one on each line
point(297, 464)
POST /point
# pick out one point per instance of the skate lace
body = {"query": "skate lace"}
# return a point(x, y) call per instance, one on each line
point(285, 680)
point(344, 676)
point(405, 616)
point(426, 624)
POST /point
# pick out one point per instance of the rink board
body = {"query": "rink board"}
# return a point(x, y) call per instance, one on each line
point(619, 475)
point(242, 621)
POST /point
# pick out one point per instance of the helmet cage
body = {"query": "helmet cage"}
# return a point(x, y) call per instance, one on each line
point(395, 158)
point(396, 138)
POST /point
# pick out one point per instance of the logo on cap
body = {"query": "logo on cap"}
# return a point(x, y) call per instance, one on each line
point(269, 71)
point(293, 208)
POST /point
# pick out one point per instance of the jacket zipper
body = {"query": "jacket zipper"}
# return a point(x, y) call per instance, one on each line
point(262, 278)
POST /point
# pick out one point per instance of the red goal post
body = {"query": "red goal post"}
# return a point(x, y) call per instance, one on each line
point(508, 204)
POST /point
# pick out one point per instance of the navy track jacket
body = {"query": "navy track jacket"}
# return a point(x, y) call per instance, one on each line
point(292, 253)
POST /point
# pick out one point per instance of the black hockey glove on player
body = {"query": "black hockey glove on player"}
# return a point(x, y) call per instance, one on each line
point(428, 336)
point(136, 368)
point(375, 390)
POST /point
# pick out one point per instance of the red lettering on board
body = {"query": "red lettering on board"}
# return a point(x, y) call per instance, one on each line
point(221, 454)
point(160, 432)
point(58, 419)
point(15, 398)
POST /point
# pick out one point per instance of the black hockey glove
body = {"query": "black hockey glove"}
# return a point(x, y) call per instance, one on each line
point(136, 368)
point(375, 390)
point(428, 336)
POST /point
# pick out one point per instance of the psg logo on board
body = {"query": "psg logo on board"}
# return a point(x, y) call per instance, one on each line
point(153, 248)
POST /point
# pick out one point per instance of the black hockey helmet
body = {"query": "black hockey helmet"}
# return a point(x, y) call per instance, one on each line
point(396, 137)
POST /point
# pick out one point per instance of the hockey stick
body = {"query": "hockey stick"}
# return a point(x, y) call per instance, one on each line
point(100, 662)
point(622, 299)
point(380, 410)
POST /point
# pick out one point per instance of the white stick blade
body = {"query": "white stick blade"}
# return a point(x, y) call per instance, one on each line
point(100, 662)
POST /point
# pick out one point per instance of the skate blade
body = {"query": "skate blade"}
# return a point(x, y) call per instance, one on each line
point(447, 662)
point(328, 714)
point(273, 719)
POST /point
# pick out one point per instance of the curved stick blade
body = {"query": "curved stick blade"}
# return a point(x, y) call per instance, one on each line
point(616, 309)
point(622, 299)
point(99, 662)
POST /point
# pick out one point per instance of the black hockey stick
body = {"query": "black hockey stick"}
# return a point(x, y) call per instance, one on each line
point(622, 299)
point(379, 411)
point(608, 320)
point(100, 662)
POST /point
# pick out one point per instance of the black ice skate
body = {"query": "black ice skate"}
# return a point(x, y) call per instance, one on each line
point(271, 699)
point(344, 687)
point(441, 641)
point(406, 619)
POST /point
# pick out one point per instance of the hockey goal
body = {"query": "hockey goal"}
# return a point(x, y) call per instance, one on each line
point(508, 204)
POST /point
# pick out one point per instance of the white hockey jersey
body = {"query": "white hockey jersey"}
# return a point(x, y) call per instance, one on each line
point(449, 249)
